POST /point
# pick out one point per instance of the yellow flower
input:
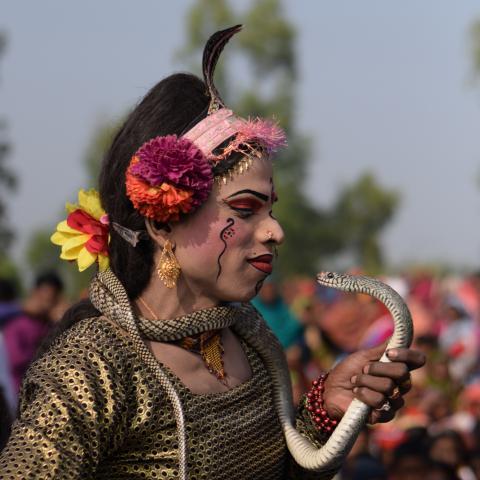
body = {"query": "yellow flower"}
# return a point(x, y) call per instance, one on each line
point(89, 202)
point(84, 235)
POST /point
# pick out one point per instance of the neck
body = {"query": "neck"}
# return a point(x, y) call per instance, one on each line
point(174, 302)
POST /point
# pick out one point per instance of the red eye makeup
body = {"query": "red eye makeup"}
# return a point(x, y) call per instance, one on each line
point(251, 204)
point(246, 206)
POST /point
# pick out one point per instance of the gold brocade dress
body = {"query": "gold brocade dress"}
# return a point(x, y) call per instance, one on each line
point(91, 408)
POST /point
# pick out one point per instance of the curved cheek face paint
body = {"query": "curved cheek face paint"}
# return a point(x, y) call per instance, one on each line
point(224, 234)
point(231, 235)
point(228, 233)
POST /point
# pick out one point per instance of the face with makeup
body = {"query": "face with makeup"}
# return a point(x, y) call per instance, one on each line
point(226, 249)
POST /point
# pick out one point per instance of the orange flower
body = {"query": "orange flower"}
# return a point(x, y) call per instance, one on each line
point(162, 203)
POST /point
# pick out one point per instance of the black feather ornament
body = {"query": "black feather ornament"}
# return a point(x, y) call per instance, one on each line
point(211, 53)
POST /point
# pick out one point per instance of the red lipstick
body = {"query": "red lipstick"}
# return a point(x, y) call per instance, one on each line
point(262, 263)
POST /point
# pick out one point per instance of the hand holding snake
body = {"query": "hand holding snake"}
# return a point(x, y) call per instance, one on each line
point(374, 383)
point(378, 377)
point(366, 380)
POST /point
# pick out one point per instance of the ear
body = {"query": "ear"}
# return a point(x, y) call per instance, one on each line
point(158, 232)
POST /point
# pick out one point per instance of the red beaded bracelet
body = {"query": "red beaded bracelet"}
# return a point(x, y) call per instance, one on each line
point(315, 405)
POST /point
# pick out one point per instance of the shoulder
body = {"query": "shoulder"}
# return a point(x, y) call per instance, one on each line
point(93, 347)
point(99, 333)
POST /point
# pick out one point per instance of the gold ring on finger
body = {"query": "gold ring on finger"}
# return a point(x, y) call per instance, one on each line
point(395, 394)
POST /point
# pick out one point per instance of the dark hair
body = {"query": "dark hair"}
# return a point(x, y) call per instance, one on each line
point(8, 290)
point(414, 447)
point(457, 440)
point(49, 278)
point(447, 472)
point(172, 106)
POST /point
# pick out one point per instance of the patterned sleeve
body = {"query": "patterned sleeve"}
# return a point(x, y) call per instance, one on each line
point(69, 415)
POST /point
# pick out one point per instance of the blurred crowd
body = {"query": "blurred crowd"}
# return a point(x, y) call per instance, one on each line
point(436, 436)
point(24, 325)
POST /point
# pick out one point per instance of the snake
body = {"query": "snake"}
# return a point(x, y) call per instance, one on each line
point(332, 453)
point(109, 296)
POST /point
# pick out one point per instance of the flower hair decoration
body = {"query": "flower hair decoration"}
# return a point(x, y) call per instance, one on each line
point(169, 175)
point(84, 235)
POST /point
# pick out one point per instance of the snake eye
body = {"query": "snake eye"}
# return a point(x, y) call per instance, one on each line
point(330, 275)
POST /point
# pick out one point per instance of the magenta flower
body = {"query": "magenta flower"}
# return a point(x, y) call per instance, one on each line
point(176, 161)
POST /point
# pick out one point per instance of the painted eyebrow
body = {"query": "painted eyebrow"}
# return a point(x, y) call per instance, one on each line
point(259, 195)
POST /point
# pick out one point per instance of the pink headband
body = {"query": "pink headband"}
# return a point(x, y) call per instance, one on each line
point(213, 130)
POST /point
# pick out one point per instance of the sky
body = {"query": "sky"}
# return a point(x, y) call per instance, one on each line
point(383, 85)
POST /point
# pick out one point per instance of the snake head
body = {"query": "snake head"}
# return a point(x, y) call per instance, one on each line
point(340, 281)
point(329, 279)
point(351, 283)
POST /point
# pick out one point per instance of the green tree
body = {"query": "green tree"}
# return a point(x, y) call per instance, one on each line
point(266, 50)
point(7, 177)
point(475, 44)
point(97, 148)
point(361, 212)
point(8, 182)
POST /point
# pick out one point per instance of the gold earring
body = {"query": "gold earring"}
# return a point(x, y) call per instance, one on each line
point(168, 268)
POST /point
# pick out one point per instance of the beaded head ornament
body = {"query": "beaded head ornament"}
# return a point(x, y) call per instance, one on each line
point(170, 175)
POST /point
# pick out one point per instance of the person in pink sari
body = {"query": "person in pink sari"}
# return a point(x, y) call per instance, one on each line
point(24, 331)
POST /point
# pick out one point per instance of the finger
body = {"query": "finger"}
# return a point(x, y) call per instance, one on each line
point(413, 358)
point(397, 371)
point(375, 353)
point(384, 385)
point(405, 386)
point(370, 397)
point(380, 416)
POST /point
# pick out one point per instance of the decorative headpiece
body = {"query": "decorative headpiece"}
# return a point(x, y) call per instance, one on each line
point(172, 175)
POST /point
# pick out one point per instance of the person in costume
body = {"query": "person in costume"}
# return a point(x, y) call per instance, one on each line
point(168, 371)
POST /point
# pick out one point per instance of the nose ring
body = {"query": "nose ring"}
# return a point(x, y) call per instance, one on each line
point(269, 235)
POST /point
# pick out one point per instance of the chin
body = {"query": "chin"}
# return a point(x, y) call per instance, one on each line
point(242, 296)
point(247, 297)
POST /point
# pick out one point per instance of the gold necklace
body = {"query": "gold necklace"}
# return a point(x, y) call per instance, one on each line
point(150, 311)
point(206, 344)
